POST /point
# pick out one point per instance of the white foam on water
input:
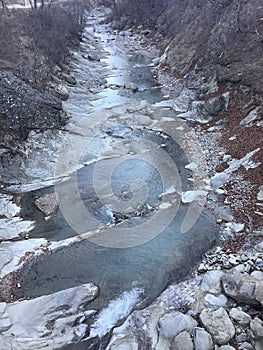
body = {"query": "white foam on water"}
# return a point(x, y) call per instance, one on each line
point(117, 309)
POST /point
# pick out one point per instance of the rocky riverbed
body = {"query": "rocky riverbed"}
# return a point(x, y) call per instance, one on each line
point(220, 305)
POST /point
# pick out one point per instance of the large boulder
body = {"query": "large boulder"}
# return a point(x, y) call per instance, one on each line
point(182, 341)
point(202, 339)
point(173, 323)
point(218, 324)
point(241, 288)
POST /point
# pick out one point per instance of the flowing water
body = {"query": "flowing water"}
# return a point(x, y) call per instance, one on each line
point(137, 245)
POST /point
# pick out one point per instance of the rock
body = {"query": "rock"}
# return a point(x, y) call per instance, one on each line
point(126, 343)
point(182, 341)
point(219, 179)
point(191, 166)
point(71, 79)
point(257, 327)
point(259, 247)
point(7, 207)
point(202, 339)
point(259, 291)
point(145, 31)
point(258, 275)
point(211, 300)
point(132, 86)
point(226, 347)
point(218, 324)
point(202, 268)
point(259, 344)
point(173, 323)
point(93, 57)
point(212, 282)
point(240, 288)
point(190, 196)
point(250, 118)
point(240, 316)
point(61, 91)
point(47, 203)
point(245, 346)
point(143, 120)
point(235, 227)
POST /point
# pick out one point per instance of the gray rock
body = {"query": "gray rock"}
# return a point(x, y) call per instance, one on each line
point(202, 339)
point(212, 282)
point(182, 341)
point(241, 338)
point(246, 346)
point(257, 327)
point(240, 316)
point(126, 343)
point(219, 179)
point(211, 300)
point(250, 118)
point(218, 324)
point(47, 203)
point(226, 347)
point(132, 86)
point(240, 288)
point(258, 275)
point(71, 79)
point(259, 344)
point(60, 91)
point(173, 323)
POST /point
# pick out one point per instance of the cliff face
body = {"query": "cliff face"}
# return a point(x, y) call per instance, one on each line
point(225, 35)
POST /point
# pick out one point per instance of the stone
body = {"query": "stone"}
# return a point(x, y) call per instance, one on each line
point(190, 196)
point(259, 247)
point(245, 346)
point(250, 118)
point(235, 227)
point(126, 343)
point(173, 323)
point(212, 282)
point(182, 341)
point(218, 324)
point(71, 79)
point(240, 316)
point(202, 339)
point(258, 275)
point(240, 288)
point(219, 179)
point(257, 327)
point(132, 86)
point(61, 91)
point(242, 337)
point(211, 300)
point(259, 291)
point(47, 203)
point(226, 347)
point(259, 344)
point(143, 120)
